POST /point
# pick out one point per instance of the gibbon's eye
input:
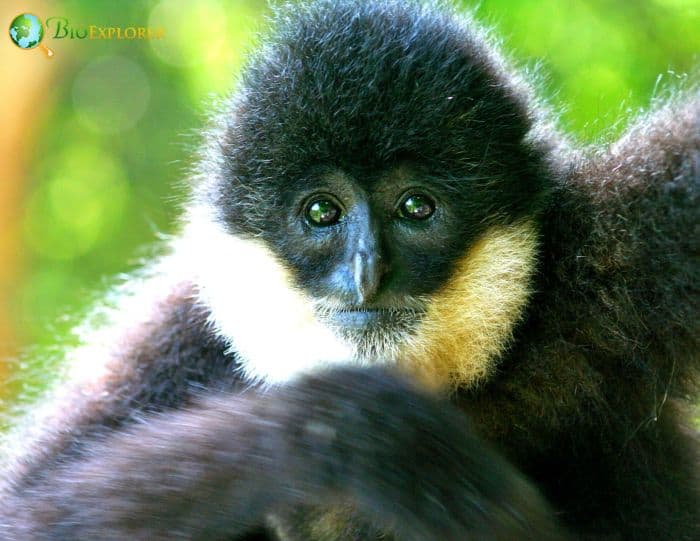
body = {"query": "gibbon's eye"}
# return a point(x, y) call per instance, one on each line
point(323, 212)
point(416, 206)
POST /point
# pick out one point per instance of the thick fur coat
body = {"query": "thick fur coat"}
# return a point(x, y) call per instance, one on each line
point(570, 414)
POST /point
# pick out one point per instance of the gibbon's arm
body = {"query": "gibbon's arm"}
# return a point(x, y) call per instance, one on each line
point(214, 470)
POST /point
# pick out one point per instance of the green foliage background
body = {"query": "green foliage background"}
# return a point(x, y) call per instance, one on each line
point(123, 117)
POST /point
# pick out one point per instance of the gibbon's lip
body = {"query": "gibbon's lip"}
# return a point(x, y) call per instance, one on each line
point(363, 317)
point(366, 309)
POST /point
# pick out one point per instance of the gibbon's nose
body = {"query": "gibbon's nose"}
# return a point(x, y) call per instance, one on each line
point(368, 269)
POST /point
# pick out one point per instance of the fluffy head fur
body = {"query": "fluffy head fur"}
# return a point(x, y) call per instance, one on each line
point(401, 81)
point(407, 95)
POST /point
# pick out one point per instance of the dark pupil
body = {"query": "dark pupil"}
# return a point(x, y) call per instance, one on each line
point(418, 207)
point(323, 212)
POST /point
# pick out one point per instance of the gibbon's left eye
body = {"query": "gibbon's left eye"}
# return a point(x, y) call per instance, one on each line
point(416, 206)
point(323, 212)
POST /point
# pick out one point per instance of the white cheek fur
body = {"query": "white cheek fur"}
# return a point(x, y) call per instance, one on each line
point(268, 322)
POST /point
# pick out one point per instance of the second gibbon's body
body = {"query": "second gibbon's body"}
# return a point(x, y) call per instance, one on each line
point(401, 305)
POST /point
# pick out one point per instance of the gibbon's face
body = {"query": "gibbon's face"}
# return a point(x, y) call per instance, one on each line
point(374, 199)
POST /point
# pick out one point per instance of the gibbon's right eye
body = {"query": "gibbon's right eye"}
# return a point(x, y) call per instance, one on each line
point(416, 206)
point(323, 212)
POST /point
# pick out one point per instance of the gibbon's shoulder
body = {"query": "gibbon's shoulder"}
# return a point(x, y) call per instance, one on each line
point(614, 320)
point(150, 348)
point(627, 219)
point(621, 249)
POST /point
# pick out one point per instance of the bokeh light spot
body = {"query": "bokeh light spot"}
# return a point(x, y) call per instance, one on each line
point(78, 205)
point(194, 31)
point(46, 292)
point(111, 94)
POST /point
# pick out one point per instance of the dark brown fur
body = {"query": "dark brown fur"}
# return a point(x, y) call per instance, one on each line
point(216, 468)
point(591, 402)
point(593, 399)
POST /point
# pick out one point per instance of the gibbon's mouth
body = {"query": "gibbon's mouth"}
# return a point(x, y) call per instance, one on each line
point(362, 317)
point(365, 318)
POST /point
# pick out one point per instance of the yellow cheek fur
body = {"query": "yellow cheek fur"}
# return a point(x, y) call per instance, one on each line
point(469, 322)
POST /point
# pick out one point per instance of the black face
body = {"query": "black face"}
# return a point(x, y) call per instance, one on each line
point(370, 146)
point(372, 242)
point(367, 240)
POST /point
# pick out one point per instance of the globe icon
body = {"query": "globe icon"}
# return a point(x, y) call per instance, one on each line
point(26, 31)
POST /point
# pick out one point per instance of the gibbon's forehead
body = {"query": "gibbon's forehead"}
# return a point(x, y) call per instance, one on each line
point(362, 86)
point(359, 83)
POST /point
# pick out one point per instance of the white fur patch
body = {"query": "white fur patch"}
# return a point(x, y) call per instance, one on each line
point(269, 323)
